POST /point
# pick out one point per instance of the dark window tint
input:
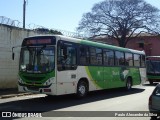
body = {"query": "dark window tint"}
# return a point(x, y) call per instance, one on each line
point(84, 55)
point(119, 58)
point(66, 56)
point(108, 57)
point(95, 56)
point(129, 59)
point(99, 56)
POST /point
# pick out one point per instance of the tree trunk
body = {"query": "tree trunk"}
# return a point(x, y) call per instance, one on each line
point(121, 42)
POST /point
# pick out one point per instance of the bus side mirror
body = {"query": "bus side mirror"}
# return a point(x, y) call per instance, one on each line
point(13, 56)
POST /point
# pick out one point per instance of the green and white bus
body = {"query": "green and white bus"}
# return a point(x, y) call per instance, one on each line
point(58, 65)
point(153, 68)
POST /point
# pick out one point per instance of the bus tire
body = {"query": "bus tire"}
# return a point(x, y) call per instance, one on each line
point(150, 82)
point(82, 89)
point(128, 84)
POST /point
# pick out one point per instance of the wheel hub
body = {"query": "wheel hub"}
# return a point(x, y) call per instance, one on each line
point(82, 89)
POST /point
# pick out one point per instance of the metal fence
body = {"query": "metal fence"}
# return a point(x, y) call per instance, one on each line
point(15, 23)
point(7, 21)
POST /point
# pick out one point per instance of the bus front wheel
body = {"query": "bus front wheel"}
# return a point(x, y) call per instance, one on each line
point(128, 84)
point(82, 89)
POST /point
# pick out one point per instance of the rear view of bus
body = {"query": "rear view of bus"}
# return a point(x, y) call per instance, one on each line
point(37, 65)
point(153, 68)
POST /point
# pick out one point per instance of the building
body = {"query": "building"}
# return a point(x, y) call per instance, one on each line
point(147, 42)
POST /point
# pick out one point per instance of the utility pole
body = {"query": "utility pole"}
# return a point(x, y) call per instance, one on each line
point(24, 13)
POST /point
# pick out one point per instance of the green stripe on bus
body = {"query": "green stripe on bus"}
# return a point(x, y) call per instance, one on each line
point(90, 77)
point(112, 77)
point(153, 77)
point(42, 78)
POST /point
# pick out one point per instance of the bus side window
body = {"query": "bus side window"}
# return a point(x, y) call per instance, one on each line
point(84, 55)
point(129, 59)
point(93, 59)
point(66, 56)
point(108, 57)
point(143, 60)
point(95, 56)
point(137, 60)
point(99, 56)
point(119, 58)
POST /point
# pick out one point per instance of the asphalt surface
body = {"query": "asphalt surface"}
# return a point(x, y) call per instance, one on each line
point(11, 92)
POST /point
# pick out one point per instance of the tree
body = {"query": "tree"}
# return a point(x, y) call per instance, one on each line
point(120, 19)
point(47, 31)
point(55, 32)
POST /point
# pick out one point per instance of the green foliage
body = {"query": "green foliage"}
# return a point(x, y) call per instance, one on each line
point(48, 31)
point(55, 32)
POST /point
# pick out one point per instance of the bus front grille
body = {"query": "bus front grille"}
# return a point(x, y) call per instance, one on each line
point(33, 88)
point(34, 78)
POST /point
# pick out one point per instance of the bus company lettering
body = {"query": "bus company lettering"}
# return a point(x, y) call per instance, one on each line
point(115, 72)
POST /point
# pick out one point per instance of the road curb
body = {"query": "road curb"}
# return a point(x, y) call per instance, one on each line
point(14, 95)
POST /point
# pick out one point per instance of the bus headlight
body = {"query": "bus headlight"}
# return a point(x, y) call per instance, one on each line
point(46, 83)
point(49, 81)
point(23, 67)
point(52, 79)
point(20, 80)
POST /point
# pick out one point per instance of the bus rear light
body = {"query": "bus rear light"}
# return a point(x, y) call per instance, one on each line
point(47, 90)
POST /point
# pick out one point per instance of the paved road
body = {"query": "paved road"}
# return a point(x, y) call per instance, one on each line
point(115, 100)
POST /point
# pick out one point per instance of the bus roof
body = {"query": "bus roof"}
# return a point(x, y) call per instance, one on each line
point(92, 43)
point(97, 44)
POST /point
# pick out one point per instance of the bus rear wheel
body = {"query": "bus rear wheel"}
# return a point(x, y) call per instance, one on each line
point(128, 84)
point(82, 89)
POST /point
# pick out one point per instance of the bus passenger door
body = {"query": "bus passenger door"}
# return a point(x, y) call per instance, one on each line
point(66, 65)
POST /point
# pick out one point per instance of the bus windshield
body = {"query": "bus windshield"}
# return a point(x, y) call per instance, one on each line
point(153, 66)
point(37, 59)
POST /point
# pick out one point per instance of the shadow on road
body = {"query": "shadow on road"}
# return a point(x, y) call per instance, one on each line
point(147, 84)
point(45, 104)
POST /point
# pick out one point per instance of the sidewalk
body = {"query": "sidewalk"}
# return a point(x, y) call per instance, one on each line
point(11, 92)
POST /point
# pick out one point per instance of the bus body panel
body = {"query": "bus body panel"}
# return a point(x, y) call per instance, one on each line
point(66, 82)
point(113, 77)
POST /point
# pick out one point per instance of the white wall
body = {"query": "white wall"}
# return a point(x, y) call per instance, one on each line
point(9, 37)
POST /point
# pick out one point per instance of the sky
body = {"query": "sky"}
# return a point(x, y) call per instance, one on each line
point(52, 14)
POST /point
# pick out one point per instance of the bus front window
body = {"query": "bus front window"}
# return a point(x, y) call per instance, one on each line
point(156, 65)
point(153, 67)
point(37, 59)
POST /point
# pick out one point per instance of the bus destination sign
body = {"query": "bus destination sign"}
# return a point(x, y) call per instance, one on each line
point(38, 41)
